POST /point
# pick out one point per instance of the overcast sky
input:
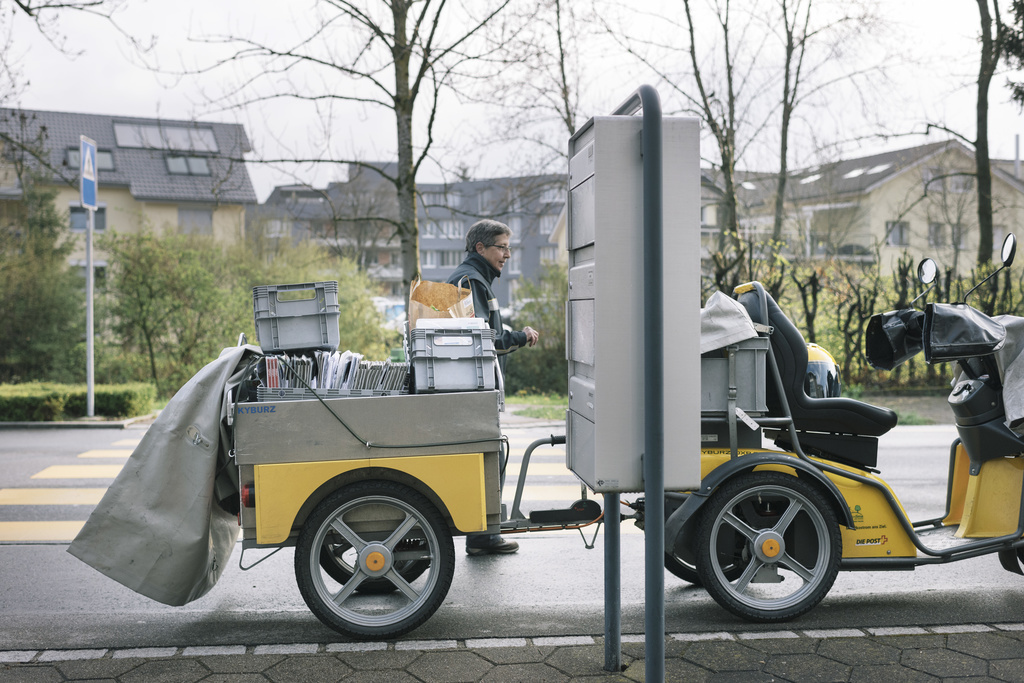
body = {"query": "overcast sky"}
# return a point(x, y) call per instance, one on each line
point(104, 80)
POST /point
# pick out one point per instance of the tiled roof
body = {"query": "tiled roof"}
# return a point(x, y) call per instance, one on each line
point(845, 178)
point(143, 171)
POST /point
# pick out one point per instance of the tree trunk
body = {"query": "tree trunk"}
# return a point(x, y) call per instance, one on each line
point(405, 185)
point(989, 59)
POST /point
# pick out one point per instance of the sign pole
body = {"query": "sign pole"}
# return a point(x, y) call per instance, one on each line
point(90, 379)
point(87, 185)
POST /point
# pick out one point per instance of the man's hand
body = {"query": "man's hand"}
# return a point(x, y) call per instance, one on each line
point(531, 336)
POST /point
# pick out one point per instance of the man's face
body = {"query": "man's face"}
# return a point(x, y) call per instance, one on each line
point(497, 253)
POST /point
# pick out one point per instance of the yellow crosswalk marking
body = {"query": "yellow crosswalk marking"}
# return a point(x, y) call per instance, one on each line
point(106, 453)
point(41, 496)
point(78, 472)
point(39, 531)
point(127, 442)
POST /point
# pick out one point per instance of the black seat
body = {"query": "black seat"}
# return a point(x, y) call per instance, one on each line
point(828, 415)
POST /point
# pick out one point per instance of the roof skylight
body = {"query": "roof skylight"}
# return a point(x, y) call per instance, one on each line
point(177, 138)
point(879, 168)
point(855, 172)
point(810, 179)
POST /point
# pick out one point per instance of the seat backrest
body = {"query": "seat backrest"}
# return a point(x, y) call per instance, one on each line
point(833, 415)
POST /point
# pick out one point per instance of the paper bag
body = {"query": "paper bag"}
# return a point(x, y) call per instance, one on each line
point(439, 300)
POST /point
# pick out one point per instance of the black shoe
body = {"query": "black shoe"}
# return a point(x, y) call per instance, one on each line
point(493, 544)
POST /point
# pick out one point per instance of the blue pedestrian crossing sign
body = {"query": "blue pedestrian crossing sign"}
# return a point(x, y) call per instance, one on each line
point(87, 173)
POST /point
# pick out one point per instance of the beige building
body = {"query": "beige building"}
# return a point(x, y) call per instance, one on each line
point(157, 174)
point(914, 202)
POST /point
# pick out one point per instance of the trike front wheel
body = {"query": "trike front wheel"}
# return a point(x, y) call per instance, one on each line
point(388, 526)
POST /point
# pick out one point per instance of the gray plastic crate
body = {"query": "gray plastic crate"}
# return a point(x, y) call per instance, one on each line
point(751, 359)
point(297, 316)
point(452, 360)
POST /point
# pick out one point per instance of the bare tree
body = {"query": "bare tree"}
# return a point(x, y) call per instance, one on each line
point(990, 51)
point(46, 17)
point(813, 36)
point(750, 68)
point(396, 56)
point(539, 49)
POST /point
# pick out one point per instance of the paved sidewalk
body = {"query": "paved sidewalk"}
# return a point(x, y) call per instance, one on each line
point(964, 652)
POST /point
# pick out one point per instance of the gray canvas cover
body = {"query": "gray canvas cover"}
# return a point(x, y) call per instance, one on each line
point(159, 529)
point(723, 321)
point(1011, 368)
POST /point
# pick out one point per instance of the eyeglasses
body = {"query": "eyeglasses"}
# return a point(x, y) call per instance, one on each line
point(502, 247)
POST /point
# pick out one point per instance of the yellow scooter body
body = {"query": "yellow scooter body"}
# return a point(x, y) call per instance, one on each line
point(878, 531)
point(987, 504)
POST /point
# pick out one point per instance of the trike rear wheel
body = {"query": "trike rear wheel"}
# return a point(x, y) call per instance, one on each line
point(388, 526)
point(768, 546)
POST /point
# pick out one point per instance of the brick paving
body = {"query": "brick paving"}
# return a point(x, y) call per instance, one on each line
point(989, 652)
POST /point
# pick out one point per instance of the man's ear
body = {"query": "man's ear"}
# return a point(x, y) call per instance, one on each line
point(480, 248)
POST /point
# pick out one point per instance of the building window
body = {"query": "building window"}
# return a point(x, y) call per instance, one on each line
point(928, 178)
point(178, 165)
point(195, 221)
point(429, 229)
point(429, 258)
point(552, 195)
point(451, 229)
point(549, 254)
point(514, 203)
point(897, 233)
point(450, 258)
point(484, 201)
point(547, 223)
point(433, 198)
point(277, 228)
point(941, 238)
point(104, 159)
point(80, 219)
point(958, 236)
point(959, 184)
point(178, 138)
point(515, 224)
point(512, 263)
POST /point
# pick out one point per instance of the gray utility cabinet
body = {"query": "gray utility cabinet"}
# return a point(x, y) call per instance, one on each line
point(605, 311)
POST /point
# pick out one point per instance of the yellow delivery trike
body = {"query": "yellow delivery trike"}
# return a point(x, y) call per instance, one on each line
point(770, 527)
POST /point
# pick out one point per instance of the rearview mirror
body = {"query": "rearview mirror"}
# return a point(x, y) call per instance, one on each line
point(927, 270)
point(1009, 249)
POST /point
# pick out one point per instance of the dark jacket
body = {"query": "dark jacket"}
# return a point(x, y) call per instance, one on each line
point(481, 274)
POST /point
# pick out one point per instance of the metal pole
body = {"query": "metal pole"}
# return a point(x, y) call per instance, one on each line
point(90, 390)
point(612, 585)
point(654, 406)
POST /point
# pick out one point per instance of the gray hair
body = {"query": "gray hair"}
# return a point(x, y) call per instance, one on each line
point(485, 231)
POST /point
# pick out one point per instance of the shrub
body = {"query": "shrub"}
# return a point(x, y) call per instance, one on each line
point(48, 402)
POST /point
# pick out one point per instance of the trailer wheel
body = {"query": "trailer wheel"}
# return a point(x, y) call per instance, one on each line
point(388, 526)
point(768, 546)
point(337, 560)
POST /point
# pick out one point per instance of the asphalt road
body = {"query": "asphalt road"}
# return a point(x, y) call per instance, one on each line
point(553, 586)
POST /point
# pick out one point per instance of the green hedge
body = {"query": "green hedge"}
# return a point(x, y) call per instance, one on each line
point(47, 402)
